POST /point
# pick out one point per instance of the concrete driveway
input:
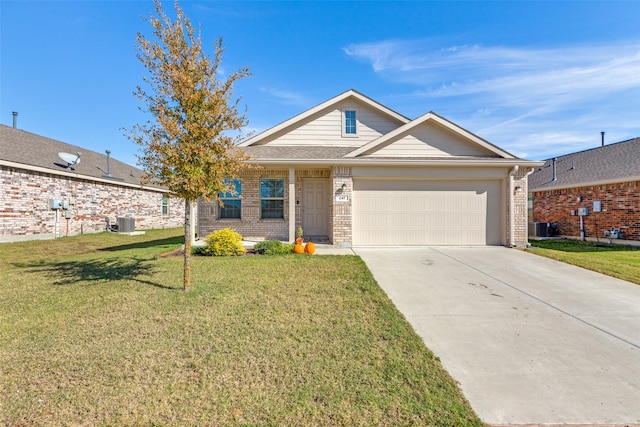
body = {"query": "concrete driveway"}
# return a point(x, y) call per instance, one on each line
point(530, 340)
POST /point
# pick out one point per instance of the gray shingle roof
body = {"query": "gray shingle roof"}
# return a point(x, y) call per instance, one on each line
point(610, 163)
point(312, 152)
point(29, 149)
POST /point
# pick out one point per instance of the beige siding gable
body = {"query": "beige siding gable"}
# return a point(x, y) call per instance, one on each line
point(443, 138)
point(325, 128)
point(429, 140)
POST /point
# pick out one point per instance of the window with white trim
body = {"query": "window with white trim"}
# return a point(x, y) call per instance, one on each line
point(271, 198)
point(165, 205)
point(349, 123)
point(231, 202)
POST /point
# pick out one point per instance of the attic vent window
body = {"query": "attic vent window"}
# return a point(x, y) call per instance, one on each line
point(350, 123)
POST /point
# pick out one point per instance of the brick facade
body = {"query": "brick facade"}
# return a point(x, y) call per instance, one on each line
point(250, 225)
point(520, 230)
point(341, 211)
point(25, 211)
point(620, 205)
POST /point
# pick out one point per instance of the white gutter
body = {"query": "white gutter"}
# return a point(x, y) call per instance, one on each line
point(395, 162)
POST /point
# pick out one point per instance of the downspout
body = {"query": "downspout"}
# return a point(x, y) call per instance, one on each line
point(512, 233)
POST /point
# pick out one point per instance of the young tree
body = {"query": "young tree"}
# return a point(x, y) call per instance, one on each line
point(190, 145)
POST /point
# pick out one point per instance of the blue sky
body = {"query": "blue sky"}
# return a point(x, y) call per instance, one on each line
point(537, 78)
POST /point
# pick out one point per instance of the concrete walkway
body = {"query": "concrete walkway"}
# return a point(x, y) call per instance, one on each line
point(322, 249)
point(530, 340)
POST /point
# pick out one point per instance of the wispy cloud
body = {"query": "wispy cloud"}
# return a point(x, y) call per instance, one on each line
point(463, 70)
point(508, 93)
point(287, 97)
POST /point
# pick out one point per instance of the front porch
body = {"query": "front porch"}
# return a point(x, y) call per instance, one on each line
point(274, 202)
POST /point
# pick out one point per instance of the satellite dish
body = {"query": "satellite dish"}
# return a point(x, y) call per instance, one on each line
point(70, 159)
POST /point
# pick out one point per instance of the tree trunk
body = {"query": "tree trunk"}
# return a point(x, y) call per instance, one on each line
point(187, 245)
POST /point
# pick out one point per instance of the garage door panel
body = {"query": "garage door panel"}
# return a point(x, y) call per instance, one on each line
point(423, 212)
point(409, 237)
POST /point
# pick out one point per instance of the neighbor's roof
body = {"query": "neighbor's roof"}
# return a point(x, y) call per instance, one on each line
point(618, 162)
point(22, 149)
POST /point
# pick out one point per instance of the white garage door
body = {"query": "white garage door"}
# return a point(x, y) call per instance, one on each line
point(423, 212)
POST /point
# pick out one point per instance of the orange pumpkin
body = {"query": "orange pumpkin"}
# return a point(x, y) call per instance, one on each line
point(298, 249)
point(310, 248)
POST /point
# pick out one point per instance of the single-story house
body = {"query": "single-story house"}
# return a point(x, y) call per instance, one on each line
point(599, 188)
point(353, 172)
point(49, 188)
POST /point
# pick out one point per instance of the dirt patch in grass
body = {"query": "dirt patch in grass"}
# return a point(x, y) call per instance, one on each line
point(176, 252)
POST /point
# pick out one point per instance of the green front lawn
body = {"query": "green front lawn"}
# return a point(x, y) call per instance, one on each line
point(618, 261)
point(95, 330)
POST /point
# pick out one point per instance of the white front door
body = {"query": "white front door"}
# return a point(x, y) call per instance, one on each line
point(315, 207)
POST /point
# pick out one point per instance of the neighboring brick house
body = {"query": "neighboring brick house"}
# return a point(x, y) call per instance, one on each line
point(32, 175)
point(604, 180)
point(353, 172)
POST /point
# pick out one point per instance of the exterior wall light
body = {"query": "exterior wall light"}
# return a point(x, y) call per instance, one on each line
point(344, 187)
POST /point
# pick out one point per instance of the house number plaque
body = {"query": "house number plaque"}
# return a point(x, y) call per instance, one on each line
point(342, 198)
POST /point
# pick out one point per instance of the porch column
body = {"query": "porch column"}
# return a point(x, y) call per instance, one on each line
point(292, 205)
point(193, 209)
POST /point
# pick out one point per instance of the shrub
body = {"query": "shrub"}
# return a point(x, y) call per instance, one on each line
point(273, 247)
point(198, 250)
point(224, 242)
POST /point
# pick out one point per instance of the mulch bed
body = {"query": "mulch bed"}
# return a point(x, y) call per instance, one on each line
point(180, 252)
